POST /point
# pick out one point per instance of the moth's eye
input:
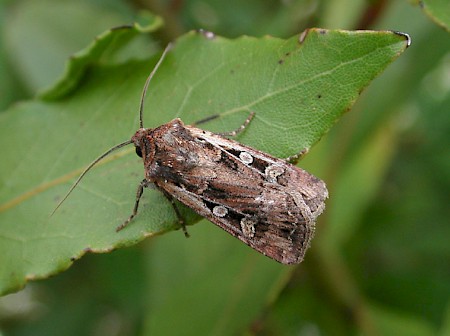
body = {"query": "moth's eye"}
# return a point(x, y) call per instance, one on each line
point(138, 151)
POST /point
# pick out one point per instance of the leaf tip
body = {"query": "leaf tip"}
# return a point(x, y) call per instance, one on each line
point(404, 35)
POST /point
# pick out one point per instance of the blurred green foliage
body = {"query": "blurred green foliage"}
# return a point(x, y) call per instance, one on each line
point(380, 262)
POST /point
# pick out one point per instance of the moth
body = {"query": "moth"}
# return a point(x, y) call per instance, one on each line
point(266, 202)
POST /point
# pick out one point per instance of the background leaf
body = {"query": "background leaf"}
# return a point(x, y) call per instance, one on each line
point(41, 35)
point(379, 262)
point(438, 11)
point(269, 76)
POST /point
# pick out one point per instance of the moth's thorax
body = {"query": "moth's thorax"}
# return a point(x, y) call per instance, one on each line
point(140, 133)
point(172, 126)
point(159, 146)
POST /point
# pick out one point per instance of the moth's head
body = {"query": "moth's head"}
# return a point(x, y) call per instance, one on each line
point(139, 141)
point(138, 151)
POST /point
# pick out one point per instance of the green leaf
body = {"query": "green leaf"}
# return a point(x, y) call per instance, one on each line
point(438, 11)
point(298, 88)
point(364, 171)
point(40, 35)
point(228, 281)
point(103, 50)
point(390, 322)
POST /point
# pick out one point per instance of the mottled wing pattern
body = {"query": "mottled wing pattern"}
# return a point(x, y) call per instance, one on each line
point(265, 202)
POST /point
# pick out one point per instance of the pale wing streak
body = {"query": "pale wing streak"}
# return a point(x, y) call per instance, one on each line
point(200, 201)
point(217, 143)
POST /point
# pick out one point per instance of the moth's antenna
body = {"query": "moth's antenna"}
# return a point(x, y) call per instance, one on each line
point(147, 82)
point(128, 142)
point(93, 163)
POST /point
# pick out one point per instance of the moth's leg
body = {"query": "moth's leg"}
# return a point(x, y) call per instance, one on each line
point(177, 212)
point(240, 128)
point(293, 159)
point(205, 120)
point(232, 133)
point(139, 192)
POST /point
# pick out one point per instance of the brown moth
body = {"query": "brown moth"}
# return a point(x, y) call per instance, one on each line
point(266, 202)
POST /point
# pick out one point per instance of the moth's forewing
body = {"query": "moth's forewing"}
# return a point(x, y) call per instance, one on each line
point(267, 203)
